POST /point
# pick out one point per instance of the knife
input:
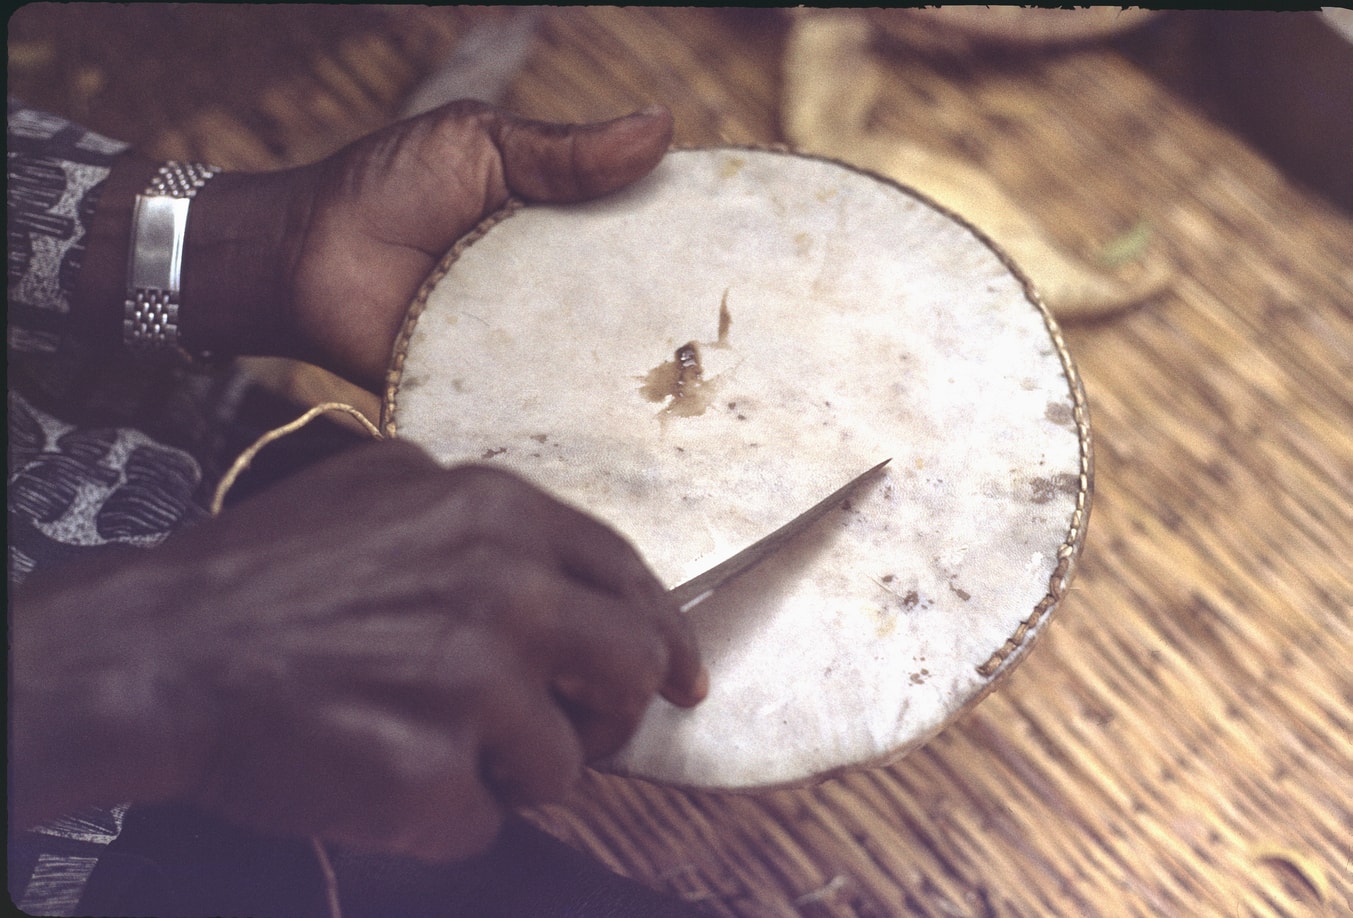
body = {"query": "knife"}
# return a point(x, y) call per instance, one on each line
point(702, 586)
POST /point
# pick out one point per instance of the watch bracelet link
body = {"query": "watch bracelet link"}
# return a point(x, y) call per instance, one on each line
point(150, 320)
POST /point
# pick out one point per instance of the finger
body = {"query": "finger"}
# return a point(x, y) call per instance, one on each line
point(450, 815)
point(598, 556)
point(608, 661)
point(492, 505)
point(525, 622)
point(566, 163)
point(593, 553)
point(687, 681)
point(530, 753)
point(394, 783)
point(600, 735)
point(598, 562)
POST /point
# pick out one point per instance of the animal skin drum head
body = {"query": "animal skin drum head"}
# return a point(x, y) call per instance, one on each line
point(699, 358)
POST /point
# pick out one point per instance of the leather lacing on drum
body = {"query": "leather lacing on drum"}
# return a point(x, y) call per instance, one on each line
point(999, 662)
point(1069, 551)
point(401, 347)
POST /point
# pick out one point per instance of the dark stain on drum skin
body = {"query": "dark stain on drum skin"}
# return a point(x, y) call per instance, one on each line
point(725, 320)
point(1045, 489)
point(496, 451)
point(1061, 414)
point(910, 600)
point(682, 380)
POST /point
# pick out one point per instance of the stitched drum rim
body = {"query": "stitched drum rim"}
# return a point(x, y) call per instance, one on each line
point(1021, 639)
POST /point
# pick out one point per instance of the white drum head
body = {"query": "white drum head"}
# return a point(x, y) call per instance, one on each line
point(701, 357)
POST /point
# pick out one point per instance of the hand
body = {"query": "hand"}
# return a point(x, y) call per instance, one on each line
point(379, 651)
point(322, 262)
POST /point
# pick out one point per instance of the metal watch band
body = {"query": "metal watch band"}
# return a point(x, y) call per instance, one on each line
point(150, 318)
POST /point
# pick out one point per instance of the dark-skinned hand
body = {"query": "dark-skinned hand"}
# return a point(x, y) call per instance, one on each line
point(380, 652)
point(322, 261)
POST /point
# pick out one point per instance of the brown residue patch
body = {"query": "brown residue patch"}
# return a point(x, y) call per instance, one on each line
point(725, 321)
point(681, 380)
point(732, 166)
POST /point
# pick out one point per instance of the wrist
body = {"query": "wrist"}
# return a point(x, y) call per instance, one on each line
point(90, 722)
point(243, 236)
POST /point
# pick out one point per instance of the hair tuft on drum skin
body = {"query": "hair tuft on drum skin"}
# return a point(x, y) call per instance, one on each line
point(700, 357)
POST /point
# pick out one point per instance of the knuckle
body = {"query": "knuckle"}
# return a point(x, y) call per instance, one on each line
point(487, 498)
point(480, 564)
point(396, 450)
point(486, 478)
point(509, 594)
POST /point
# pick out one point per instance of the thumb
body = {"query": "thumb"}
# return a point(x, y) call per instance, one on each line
point(558, 163)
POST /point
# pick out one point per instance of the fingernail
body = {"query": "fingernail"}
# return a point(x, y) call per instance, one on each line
point(700, 688)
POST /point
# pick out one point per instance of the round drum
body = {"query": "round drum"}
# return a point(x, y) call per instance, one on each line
point(699, 358)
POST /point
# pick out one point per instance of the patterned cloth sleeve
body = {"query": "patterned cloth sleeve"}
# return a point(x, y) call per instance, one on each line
point(71, 489)
point(55, 171)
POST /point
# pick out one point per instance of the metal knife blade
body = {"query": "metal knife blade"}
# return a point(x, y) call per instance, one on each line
point(702, 586)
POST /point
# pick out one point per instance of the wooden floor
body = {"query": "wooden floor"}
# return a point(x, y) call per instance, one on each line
point(1180, 741)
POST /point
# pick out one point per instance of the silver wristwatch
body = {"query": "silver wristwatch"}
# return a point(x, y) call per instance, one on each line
point(150, 318)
